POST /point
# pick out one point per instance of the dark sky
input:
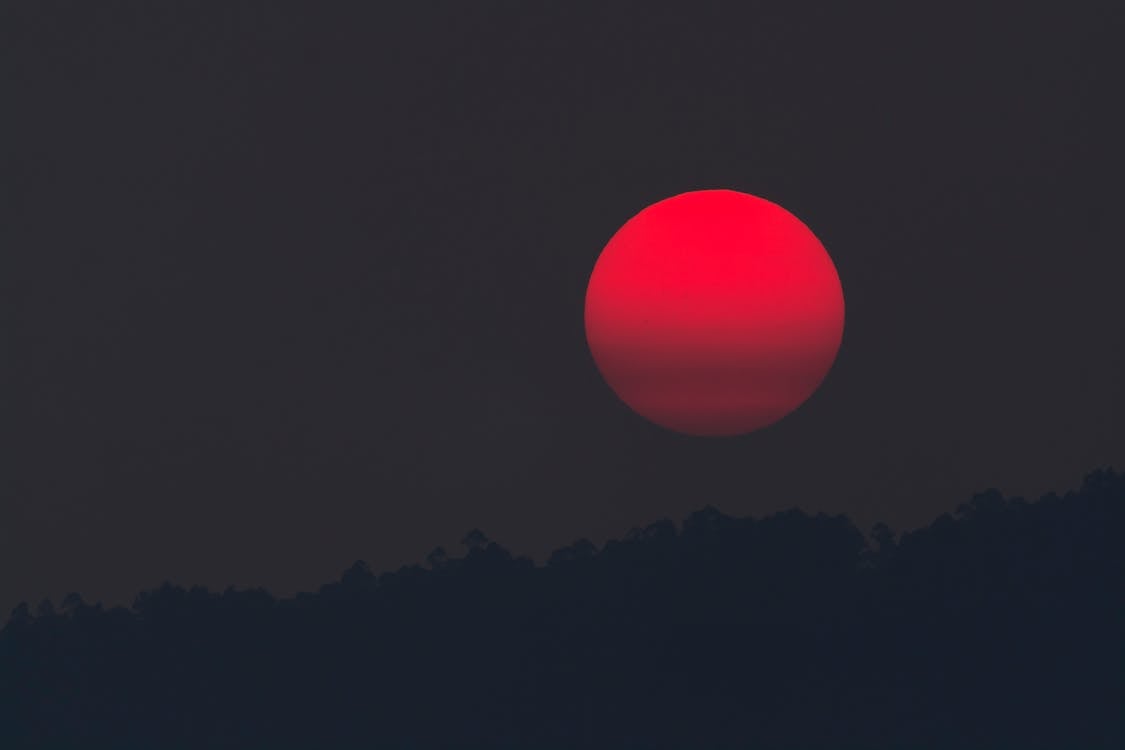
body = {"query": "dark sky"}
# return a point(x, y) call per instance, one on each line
point(288, 284)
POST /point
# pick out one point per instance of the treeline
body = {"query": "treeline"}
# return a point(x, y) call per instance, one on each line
point(999, 626)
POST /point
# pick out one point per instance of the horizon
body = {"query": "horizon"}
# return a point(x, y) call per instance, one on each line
point(542, 561)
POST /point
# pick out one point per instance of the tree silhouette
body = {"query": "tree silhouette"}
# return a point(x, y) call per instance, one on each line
point(437, 558)
point(1000, 625)
point(474, 540)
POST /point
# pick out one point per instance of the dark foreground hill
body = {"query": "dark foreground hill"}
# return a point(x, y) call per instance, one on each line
point(1000, 626)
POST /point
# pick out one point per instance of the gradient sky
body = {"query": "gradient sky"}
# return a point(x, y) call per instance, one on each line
point(289, 284)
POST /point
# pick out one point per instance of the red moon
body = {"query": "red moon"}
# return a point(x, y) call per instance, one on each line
point(714, 313)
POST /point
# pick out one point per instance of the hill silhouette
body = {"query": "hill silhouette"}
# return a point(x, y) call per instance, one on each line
point(1000, 625)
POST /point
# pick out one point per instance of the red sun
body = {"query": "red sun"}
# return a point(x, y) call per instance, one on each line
point(714, 313)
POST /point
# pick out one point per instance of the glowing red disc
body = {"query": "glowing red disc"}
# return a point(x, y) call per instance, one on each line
point(714, 313)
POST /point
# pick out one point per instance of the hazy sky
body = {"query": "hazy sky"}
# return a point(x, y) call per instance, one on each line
point(289, 284)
